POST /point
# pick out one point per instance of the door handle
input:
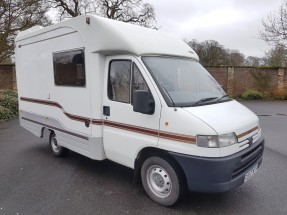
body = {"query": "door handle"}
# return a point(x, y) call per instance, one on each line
point(106, 110)
point(87, 123)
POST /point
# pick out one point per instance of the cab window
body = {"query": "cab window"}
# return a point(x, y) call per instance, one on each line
point(138, 82)
point(119, 81)
point(124, 78)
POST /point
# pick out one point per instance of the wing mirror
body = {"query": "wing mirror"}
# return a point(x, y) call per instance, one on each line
point(143, 102)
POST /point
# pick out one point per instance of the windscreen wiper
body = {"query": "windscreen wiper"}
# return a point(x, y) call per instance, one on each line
point(204, 100)
point(218, 100)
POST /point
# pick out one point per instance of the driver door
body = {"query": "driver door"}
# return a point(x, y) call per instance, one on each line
point(126, 132)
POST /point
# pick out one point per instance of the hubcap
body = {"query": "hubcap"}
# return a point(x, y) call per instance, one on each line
point(55, 145)
point(159, 181)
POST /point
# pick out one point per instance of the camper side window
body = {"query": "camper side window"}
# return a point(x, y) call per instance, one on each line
point(69, 68)
point(119, 81)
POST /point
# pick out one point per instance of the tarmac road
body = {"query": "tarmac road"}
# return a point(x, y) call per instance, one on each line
point(33, 181)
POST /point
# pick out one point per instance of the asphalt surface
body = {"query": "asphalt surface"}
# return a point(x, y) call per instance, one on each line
point(33, 181)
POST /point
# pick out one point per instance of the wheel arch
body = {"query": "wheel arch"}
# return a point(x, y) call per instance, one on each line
point(147, 152)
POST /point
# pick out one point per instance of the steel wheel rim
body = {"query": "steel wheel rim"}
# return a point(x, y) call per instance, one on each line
point(159, 181)
point(55, 146)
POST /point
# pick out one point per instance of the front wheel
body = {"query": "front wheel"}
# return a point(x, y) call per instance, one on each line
point(57, 150)
point(162, 180)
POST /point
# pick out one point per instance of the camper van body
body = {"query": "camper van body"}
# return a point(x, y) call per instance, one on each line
point(70, 77)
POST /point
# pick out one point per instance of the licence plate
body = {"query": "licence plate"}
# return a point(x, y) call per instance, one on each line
point(250, 173)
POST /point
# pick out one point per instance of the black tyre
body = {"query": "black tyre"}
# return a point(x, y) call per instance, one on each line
point(57, 150)
point(162, 180)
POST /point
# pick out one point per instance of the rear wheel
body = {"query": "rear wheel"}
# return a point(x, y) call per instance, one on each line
point(162, 181)
point(57, 150)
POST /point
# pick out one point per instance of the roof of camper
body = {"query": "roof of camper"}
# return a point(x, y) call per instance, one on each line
point(109, 36)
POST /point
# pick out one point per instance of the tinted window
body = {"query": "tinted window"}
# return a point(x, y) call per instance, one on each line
point(119, 81)
point(69, 68)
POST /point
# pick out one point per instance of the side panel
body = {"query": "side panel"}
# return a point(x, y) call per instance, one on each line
point(68, 105)
point(182, 128)
point(35, 124)
point(97, 68)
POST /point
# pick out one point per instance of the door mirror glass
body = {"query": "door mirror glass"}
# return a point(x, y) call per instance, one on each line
point(143, 102)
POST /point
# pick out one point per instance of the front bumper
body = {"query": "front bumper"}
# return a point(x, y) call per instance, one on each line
point(219, 174)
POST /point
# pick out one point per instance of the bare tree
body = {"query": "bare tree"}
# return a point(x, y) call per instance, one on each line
point(132, 11)
point(276, 56)
point(275, 27)
point(72, 8)
point(211, 53)
point(194, 44)
point(235, 58)
point(254, 61)
point(15, 16)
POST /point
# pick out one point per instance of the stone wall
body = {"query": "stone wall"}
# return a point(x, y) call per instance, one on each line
point(234, 80)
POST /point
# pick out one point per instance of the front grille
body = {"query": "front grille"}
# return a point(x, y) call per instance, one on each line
point(251, 153)
point(247, 160)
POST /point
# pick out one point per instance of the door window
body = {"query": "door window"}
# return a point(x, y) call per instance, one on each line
point(138, 82)
point(119, 81)
point(120, 86)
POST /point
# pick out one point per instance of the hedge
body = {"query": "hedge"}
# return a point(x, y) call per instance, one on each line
point(8, 104)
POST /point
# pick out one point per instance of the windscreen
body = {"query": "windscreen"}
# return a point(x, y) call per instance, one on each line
point(183, 81)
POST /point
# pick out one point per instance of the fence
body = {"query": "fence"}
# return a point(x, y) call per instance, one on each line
point(235, 80)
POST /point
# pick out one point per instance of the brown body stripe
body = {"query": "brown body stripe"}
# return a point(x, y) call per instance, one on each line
point(247, 132)
point(136, 129)
point(97, 122)
point(178, 137)
point(141, 130)
point(77, 118)
point(151, 132)
point(55, 104)
point(57, 129)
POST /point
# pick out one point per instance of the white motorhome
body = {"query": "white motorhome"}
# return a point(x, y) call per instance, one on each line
point(139, 97)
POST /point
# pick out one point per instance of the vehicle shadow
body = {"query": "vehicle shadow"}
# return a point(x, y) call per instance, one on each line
point(116, 186)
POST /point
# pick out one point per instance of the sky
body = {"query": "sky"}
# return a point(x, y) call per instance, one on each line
point(233, 23)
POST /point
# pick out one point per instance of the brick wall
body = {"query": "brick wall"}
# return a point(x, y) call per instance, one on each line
point(220, 74)
point(234, 80)
point(7, 77)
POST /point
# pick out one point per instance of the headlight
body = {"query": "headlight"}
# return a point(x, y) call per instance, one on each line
point(207, 141)
point(227, 140)
point(215, 141)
